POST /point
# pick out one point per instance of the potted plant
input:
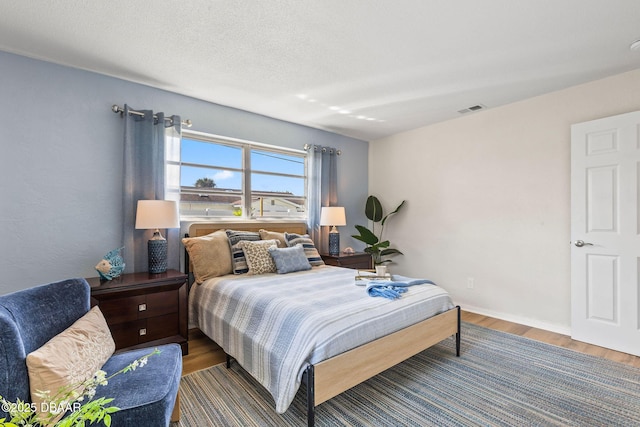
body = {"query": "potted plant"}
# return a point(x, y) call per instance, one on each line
point(377, 247)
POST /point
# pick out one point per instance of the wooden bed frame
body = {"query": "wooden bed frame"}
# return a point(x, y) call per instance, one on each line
point(333, 376)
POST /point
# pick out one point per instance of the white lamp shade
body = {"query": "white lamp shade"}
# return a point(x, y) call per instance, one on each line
point(152, 214)
point(333, 216)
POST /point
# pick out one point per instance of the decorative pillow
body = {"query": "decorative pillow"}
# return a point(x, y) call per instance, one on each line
point(71, 357)
point(210, 255)
point(238, 260)
point(309, 248)
point(291, 259)
point(268, 235)
point(257, 255)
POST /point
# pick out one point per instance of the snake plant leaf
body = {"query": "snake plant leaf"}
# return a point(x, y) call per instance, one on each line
point(391, 213)
point(366, 235)
point(373, 209)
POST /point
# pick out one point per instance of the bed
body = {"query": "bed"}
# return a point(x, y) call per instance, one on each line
point(312, 327)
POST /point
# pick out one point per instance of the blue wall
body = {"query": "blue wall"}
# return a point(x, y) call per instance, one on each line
point(61, 164)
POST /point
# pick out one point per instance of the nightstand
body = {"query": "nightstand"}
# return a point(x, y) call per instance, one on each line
point(143, 309)
point(357, 260)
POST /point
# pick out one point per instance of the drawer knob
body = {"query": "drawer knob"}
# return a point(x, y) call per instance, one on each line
point(142, 307)
point(143, 331)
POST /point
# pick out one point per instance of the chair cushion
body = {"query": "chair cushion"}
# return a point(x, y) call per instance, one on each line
point(71, 357)
point(145, 396)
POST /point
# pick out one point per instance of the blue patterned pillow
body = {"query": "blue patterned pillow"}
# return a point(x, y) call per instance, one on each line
point(238, 260)
point(291, 259)
point(310, 250)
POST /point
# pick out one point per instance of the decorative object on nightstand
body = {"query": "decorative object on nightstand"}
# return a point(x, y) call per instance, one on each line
point(111, 265)
point(333, 216)
point(157, 214)
point(144, 309)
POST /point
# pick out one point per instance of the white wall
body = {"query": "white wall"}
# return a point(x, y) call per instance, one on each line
point(489, 198)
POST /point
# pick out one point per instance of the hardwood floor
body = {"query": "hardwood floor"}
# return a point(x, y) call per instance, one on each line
point(549, 338)
point(204, 353)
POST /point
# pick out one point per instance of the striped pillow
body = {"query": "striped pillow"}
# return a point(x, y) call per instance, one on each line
point(238, 260)
point(310, 250)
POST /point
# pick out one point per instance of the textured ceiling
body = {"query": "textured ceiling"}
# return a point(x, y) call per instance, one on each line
point(362, 68)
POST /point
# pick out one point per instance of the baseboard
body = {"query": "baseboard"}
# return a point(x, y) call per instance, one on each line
point(559, 329)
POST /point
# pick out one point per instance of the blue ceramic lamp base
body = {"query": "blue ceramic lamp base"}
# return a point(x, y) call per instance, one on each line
point(334, 243)
point(157, 256)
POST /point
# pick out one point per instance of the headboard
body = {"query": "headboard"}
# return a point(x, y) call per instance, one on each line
point(199, 229)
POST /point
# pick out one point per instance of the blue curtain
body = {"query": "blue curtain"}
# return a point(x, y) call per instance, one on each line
point(149, 150)
point(322, 191)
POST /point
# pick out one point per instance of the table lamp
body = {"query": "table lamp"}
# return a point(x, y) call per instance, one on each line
point(154, 215)
point(333, 216)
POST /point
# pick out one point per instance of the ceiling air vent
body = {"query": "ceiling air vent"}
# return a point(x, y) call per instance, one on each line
point(473, 108)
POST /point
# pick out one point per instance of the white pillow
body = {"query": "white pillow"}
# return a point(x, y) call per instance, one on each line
point(71, 357)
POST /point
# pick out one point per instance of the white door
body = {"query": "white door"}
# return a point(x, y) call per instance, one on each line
point(605, 232)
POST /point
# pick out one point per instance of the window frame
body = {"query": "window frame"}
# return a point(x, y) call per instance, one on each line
point(246, 170)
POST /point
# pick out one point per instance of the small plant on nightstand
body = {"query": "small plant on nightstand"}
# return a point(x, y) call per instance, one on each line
point(377, 247)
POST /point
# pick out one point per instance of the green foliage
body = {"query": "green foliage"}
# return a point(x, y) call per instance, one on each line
point(77, 398)
point(205, 183)
point(377, 247)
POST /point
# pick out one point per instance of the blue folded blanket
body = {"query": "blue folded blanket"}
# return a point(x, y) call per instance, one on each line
point(394, 288)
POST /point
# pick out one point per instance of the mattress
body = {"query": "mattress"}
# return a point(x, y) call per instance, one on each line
point(274, 325)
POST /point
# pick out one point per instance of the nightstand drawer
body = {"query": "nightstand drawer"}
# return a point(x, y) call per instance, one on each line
point(158, 304)
point(128, 334)
point(120, 310)
point(144, 309)
point(160, 327)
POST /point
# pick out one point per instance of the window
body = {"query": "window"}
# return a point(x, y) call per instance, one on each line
point(224, 177)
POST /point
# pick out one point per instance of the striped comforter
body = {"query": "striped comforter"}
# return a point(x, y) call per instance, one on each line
point(274, 325)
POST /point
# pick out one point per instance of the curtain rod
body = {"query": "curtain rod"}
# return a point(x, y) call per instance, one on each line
point(118, 109)
point(307, 147)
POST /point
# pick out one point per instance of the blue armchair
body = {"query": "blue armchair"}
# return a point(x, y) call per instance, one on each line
point(29, 318)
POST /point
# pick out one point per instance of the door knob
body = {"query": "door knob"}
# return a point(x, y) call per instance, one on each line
point(581, 243)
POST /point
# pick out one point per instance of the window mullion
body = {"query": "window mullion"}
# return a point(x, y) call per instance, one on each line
point(288, 175)
point(246, 180)
point(211, 166)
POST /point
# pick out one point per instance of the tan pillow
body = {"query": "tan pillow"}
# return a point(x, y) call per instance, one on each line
point(71, 357)
point(258, 257)
point(268, 235)
point(210, 255)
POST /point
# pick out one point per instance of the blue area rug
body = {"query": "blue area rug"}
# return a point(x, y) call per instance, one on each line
point(499, 380)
